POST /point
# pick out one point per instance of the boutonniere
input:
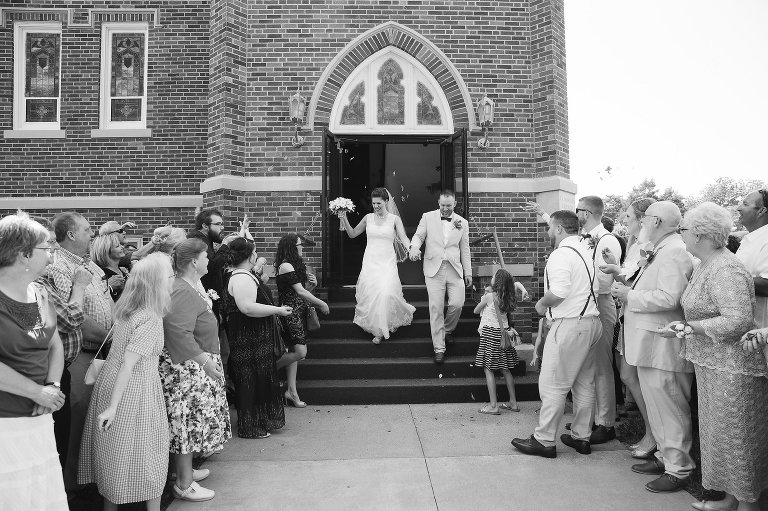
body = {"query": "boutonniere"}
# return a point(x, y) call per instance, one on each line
point(646, 257)
point(457, 224)
point(589, 239)
point(212, 294)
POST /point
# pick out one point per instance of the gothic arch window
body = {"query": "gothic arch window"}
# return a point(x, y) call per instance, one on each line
point(391, 92)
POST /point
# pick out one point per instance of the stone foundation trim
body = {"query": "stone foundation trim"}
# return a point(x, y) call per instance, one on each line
point(102, 202)
point(95, 13)
point(521, 185)
point(34, 134)
point(121, 133)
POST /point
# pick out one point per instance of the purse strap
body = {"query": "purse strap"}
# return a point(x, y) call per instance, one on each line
point(104, 341)
point(499, 315)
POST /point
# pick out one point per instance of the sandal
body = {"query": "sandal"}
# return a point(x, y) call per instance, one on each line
point(506, 406)
point(490, 411)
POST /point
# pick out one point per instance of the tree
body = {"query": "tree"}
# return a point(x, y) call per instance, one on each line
point(647, 188)
point(672, 195)
point(728, 192)
point(613, 205)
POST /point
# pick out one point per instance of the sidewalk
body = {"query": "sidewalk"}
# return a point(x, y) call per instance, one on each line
point(445, 457)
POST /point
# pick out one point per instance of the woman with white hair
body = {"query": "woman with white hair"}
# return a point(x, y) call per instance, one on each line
point(107, 252)
point(125, 438)
point(732, 385)
point(31, 364)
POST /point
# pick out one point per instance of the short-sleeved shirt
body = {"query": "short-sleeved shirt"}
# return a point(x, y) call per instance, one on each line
point(190, 327)
point(568, 276)
point(753, 252)
point(598, 240)
point(25, 346)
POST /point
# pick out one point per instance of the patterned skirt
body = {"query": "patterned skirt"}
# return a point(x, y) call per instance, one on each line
point(490, 355)
point(198, 413)
point(734, 432)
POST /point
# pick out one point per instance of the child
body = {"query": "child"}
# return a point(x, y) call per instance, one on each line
point(490, 356)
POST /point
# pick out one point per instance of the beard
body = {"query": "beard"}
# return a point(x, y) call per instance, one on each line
point(215, 237)
point(643, 236)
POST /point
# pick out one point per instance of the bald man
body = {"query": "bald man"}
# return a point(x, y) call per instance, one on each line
point(653, 302)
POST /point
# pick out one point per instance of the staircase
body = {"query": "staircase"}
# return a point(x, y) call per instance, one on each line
point(343, 366)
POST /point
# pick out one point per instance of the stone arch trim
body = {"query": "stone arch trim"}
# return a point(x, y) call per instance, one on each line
point(411, 42)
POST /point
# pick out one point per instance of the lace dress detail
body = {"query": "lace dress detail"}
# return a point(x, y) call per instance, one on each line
point(295, 324)
point(381, 307)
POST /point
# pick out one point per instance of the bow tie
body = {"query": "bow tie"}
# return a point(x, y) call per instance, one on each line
point(586, 236)
point(446, 218)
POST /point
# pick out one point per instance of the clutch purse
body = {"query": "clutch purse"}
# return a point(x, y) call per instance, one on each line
point(94, 368)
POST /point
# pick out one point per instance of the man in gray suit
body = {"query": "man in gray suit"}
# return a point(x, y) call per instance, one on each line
point(652, 303)
point(447, 267)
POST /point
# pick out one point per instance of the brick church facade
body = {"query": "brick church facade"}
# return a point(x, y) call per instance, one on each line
point(145, 110)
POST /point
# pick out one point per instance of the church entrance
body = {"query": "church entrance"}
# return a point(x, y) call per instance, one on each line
point(414, 168)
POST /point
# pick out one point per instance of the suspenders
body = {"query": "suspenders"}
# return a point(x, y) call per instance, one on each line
point(591, 285)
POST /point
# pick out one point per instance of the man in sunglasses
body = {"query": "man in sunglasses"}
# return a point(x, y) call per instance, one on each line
point(753, 251)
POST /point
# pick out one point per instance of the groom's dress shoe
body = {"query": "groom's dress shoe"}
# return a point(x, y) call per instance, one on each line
point(449, 340)
point(602, 434)
point(650, 467)
point(439, 357)
point(532, 446)
point(581, 446)
point(667, 483)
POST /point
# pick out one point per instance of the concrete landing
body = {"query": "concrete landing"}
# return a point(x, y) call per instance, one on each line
point(445, 457)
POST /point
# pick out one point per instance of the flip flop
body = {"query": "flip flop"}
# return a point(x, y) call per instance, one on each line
point(506, 406)
point(486, 409)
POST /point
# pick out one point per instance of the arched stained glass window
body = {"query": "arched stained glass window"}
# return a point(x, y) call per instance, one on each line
point(391, 92)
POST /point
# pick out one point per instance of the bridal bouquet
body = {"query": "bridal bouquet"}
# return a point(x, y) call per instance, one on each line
point(341, 204)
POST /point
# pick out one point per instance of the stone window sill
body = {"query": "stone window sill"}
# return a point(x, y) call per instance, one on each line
point(121, 133)
point(34, 134)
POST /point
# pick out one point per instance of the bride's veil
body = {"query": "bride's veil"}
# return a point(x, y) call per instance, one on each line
point(401, 251)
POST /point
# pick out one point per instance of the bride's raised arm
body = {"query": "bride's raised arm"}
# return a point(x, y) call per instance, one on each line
point(400, 232)
point(357, 231)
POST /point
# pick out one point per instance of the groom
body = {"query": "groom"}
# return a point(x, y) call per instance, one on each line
point(447, 267)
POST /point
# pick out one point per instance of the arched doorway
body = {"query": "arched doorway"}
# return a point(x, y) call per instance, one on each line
point(391, 125)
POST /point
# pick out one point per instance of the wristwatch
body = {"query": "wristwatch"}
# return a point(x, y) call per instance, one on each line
point(54, 384)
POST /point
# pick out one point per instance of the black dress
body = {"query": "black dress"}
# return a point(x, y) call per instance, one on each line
point(295, 324)
point(252, 358)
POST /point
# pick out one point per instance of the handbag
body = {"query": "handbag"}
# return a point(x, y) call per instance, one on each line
point(94, 368)
point(508, 340)
point(313, 322)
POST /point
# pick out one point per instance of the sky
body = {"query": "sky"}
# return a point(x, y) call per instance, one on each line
point(675, 90)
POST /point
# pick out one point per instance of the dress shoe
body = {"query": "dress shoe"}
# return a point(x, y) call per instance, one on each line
point(439, 357)
point(581, 446)
point(667, 483)
point(602, 434)
point(532, 446)
point(652, 467)
point(449, 340)
point(195, 493)
point(717, 505)
point(642, 454)
point(297, 403)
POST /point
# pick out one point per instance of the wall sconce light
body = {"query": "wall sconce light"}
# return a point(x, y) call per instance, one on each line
point(296, 107)
point(485, 108)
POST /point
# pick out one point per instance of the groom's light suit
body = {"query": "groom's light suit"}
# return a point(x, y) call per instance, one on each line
point(446, 262)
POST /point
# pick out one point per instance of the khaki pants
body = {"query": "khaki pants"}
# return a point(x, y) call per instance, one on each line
point(605, 386)
point(666, 396)
point(568, 364)
point(446, 279)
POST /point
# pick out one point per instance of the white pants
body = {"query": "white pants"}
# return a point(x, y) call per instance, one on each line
point(568, 364)
point(446, 279)
point(666, 396)
point(605, 390)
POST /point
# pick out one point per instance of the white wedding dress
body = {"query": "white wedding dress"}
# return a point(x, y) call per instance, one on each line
point(380, 308)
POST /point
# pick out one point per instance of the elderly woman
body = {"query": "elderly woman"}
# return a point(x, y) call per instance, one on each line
point(291, 280)
point(125, 438)
point(31, 363)
point(190, 367)
point(732, 384)
point(255, 344)
point(106, 252)
point(627, 274)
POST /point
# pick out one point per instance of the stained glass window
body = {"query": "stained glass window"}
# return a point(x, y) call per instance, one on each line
point(127, 77)
point(427, 113)
point(354, 112)
point(41, 80)
point(391, 94)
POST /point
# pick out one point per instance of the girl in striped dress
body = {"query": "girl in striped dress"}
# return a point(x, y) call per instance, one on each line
point(490, 356)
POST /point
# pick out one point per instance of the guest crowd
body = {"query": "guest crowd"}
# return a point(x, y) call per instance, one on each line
point(188, 319)
point(170, 316)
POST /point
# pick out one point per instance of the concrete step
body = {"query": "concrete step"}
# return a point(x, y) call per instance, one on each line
point(391, 348)
point(411, 390)
point(345, 329)
point(346, 310)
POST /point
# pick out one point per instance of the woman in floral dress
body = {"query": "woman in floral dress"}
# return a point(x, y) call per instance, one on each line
point(252, 331)
point(291, 281)
point(732, 385)
point(125, 438)
point(192, 374)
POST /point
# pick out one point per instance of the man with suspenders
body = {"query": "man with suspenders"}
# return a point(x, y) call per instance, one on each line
point(596, 238)
point(568, 362)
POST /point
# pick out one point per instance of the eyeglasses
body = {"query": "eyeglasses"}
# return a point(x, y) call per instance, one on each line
point(118, 231)
point(51, 250)
point(216, 223)
point(585, 210)
point(683, 229)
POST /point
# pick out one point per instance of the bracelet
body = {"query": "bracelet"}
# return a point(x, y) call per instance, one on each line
point(208, 359)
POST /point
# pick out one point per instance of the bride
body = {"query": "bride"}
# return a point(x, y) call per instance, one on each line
point(381, 308)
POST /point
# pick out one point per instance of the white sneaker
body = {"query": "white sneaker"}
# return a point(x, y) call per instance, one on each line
point(195, 493)
point(197, 475)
